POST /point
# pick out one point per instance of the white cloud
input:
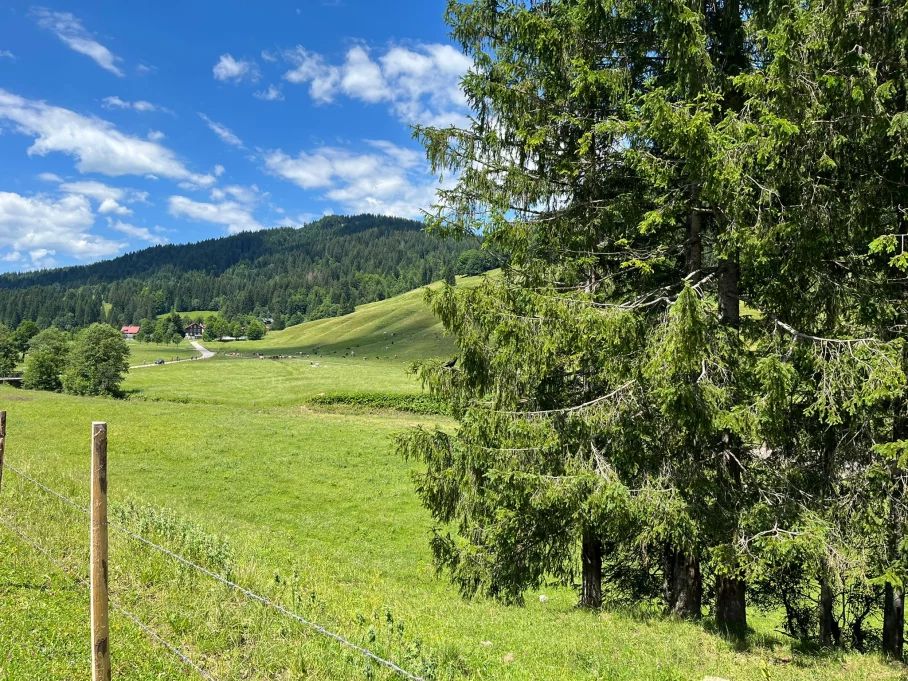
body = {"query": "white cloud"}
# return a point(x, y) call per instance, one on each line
point(235, 70)
point(246, 195)
point(70, 30)
point(218, 170)
point(109, 199)
point(420, 84)
point(42, 227)
point(93, 189)
point(232, 206)
point(222, 131)
point(235, 216)
point(269, 56)
point(42, 258)
point(140, 105)
point(362, 78)
point(390, 180)
point(6, 54)
point(97, 145)
point(155, 135)
point(309, 171)
point(272, 94)
point(49, 177)
point(142, 233)
point(111, 206)
point(312, 68)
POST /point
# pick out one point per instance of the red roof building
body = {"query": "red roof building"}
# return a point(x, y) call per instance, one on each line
point(130, 331)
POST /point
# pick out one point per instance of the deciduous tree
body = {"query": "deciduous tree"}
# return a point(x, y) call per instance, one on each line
point(97, 362)
point(45, 360)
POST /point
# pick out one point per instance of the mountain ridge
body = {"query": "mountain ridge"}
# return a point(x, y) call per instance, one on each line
point(319, 270)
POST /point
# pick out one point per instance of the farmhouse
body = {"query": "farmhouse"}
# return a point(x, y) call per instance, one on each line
point(195, 329)
point(130, 332)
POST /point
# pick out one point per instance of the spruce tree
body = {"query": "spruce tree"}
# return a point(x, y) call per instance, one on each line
point(694, 350)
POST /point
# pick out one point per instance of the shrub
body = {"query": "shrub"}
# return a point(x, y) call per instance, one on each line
point(416, 404)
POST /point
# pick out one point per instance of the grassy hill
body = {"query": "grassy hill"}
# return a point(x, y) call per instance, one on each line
point(399, 328)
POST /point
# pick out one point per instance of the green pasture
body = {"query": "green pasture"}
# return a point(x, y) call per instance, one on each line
point(319, 513)
point(257, 383)
point(194, 315)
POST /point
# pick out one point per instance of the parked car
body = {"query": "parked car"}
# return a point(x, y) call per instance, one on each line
point(159, 361)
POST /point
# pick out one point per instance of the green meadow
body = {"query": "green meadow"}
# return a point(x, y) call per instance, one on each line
point(146, 353)
point(238, 464)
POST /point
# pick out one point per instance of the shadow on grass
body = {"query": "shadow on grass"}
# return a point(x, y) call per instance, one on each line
point(786, 649)
point(803, 652)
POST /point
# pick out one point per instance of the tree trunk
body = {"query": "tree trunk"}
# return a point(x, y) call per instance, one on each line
point(830, 633)
point(683, 584)
point(731, 604)
point(729, 302)
point(731, 608)
point(591, 557)
point(893, 621)
point(894, 597)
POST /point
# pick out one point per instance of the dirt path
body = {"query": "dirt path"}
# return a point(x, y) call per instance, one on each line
point(206, 354)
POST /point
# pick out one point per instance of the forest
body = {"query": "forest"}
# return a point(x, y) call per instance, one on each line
point(321, 270)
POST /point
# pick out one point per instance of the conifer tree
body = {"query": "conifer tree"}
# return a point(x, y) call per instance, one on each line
point(693, 351)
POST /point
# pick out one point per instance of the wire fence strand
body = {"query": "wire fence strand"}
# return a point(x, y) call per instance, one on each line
point(115, 605)
point(252, 595)
point(151, 633)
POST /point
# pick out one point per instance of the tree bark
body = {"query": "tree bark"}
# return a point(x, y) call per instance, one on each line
point(731, 602)
point(591, 557)
point(683, 584)
point(830, 633)
point(893, 596)
point(893, 621)
point(729, 302)
point(731, 606)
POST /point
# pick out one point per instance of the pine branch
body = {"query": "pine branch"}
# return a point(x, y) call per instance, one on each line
point(568, 410)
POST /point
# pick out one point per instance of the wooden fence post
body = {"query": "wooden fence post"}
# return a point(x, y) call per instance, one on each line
point(100, 644)
point(2, 442)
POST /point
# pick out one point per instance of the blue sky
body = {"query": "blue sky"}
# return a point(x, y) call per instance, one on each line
point(124, 125)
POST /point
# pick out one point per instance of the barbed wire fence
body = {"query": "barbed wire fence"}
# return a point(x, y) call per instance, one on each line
point(254, 596)
point(83, 582)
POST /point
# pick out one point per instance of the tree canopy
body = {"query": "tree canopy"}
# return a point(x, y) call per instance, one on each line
point(97, 362)
point(45, 360)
